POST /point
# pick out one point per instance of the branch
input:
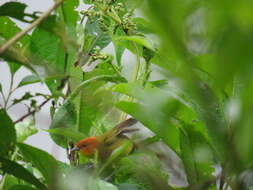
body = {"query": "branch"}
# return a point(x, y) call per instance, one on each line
point(31, 112)
point(30, 27)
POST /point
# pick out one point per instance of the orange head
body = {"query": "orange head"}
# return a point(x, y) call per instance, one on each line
point(87, 146)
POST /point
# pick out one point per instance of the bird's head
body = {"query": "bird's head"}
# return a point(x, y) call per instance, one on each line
point(86, 146)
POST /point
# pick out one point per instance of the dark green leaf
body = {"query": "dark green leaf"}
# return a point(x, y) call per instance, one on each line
point(7, 132)
point(19, 171)
point(43, 161)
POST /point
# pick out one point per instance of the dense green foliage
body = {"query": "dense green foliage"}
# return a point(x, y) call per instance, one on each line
point(190, 84)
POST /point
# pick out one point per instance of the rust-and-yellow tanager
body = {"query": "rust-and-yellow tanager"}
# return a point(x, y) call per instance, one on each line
point(107, 142)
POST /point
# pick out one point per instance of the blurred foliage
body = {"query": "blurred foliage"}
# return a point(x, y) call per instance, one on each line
point(190, 88)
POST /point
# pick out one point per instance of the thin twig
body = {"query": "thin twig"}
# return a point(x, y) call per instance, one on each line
point(30, 27)
point(31, 112)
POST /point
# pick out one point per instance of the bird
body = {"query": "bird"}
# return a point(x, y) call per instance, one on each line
point(106, 143)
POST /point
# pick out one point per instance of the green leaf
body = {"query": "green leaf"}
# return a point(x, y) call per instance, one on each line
point(99, 37)
point(18, 52)
point(19, 171)
point(25, 129)
point(8, 181)
point(129, 186)
point(104, 185)
point(142, 25)
point(125, 146)
point(70, 15)
point(65, 118)
point(118, 47)
point(196, 155)
point(17, 55)
point(68, 133)
point(30, 79)
point(9, 29)
point(156, 121)
point(146, 169)
point(47, 48)
point(26, 96)
point(87, 1)
point(21, 187)
point(16, 10)
point(43, 161)
point(137, 39)
point(7, 132)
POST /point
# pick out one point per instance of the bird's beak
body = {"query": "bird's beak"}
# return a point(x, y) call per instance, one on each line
point(74, 149)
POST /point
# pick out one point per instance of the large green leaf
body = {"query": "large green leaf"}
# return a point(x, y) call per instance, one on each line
point(47, 46)
point(43, 161)
point(19, 171)
point(7, 133)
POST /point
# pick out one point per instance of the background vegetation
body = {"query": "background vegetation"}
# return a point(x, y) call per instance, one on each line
point(200, 106)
